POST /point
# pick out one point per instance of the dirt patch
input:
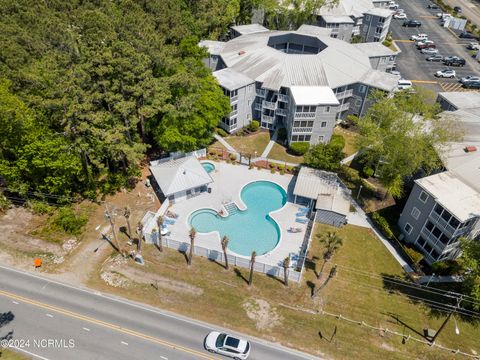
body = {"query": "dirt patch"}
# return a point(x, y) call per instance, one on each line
point(385, 346)
point(264, 315)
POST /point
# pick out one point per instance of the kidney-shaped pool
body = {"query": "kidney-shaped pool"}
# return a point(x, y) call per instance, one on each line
point(249, 230)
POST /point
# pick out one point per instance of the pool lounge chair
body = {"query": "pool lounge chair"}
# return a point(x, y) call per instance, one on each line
point(168, 221)
point(294, 229)
point(301, 221)
point(300, 214)
point(305, 209)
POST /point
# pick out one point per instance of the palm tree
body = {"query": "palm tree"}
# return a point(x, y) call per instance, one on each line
point(286, 265)
point(332, 243)
point(192, 235)
point(333, 272)
point(252, 263)
point(160, 224)
point(140, 236)
point(127, 213)
point(224, 248)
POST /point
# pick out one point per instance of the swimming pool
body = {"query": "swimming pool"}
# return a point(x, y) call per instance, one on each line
point(249, 230)
point(209, 167)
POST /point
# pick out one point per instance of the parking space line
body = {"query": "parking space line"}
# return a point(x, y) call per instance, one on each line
point(404, 41)
point(428, 17)
point(424, 81)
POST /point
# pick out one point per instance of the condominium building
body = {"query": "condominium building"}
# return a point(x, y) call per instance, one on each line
point(302, 80)
point(366, 19)
point(444, 207)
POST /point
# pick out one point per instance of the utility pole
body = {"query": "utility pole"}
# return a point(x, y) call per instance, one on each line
point(459, 300)
point(109, 215)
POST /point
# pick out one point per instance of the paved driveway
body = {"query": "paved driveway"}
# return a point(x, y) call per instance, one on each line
point(411, 62)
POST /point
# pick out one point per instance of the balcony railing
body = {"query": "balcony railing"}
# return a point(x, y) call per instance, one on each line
point(282, 112)
point(343, 107)
point(445, 227)
point(257, 106)
point(302, 130)
point(233, 98)
point(344, 94)
point(268, 119)
point(303, 115)
point(261, 92)
point(283, 98)
point(233, 113)
point(269, 105)
point(433, 241)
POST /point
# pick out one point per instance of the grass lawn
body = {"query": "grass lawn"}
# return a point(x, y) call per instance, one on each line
point(6, 354)
point(217, 145)
point(279, 152)
point(250, 144)
point(350, 140)
point(288, 315)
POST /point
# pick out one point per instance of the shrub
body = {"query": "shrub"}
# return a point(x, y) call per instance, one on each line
point(299, 148)
point(349, 175)
point(281, 167)
point(282, 172)
point(232, 157)
point(254, 125)
point(67, 220)
point(413, 254)
point(4, 203)
point(39, 207)
point(326, 156)
point(368, 171)
point(447, 267)
point(382, 225)
point(387, 43)
point(282, 134)
point(272, 170)
point(289, 168)
point(250, 167)
point(259, 167)
point(221, 132)
point(272, 165)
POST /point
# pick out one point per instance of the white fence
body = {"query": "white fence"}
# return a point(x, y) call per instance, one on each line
point(233, 260)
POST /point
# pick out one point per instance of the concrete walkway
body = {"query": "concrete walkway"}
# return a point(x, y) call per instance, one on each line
point(270, 144)
point(224, 143)
point(348, 158)
point(440, 279)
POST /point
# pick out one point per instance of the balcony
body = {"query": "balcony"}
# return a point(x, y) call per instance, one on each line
point(282, 112)
point(439, 222)
point(233, 98)
point(257, 106)
point(268, 119)
point(269, 105)
point(308, 115)
point(344, 94)
point(433, 241)
point(302, 130)
point(261, 92)
point(283, 98)
point(233, 113)
point(343, 107)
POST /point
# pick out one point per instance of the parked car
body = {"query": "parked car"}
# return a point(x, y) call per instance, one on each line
point(457, 9)
point(469, 78)
point(419, 37)
point(395, 72)
point(467, 35)
point(435, 58)
point(473, 46)
point(400, 16)
point(432, 6)
point(472, 85)
point(429, 51)
point(392, 5)
point(412, 23)
point(445, 73)
point(454, 61)
point(404, 84)
point(427, 44)
point(227, 345)
point(443, 15)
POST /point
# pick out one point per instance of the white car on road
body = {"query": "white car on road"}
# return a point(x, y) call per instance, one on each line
point(419, 37)
point(446, 73)
point(429, 51)
point(227, 345)
point(404, 84)
point(400, 16)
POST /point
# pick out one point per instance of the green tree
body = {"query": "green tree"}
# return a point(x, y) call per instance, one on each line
point(400, 135)
point(326, 156)
point(332, 242)
point(470, 261)
point(290, 14)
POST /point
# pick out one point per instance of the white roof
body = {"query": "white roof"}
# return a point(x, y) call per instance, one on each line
point(180, 175)
point(231, 79)
point(355, 8)
point(380, 80)
point(337, 64)
point(313, 95)
point(337, 201)
point(462, 100)
point(249, 29)
point(213, 47)
point(375, 49)
point(338, 19)
point(453, 194)
point(376, 11)
point(313, 182)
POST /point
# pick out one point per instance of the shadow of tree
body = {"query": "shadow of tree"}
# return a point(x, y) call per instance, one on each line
point(240, 275)
point(311, 286)
point(6, 318)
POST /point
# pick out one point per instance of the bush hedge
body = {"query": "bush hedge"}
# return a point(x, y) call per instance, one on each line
point(368, 171)
point(414, 254)
point(382, 225)
point(447, 267)
point(254, 125)
point(69, 221)
point(299, 148)
point(221, 132)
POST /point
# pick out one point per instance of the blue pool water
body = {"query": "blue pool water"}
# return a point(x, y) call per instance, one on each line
point(209, 167)
point(249, 230)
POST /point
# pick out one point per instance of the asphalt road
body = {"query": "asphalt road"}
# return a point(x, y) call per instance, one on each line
point(411, 62)
point(49, 320)
point(470, 9)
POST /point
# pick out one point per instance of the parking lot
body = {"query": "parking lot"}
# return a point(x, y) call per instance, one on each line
point(412, 63)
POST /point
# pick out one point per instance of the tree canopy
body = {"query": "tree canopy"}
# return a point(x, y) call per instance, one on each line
point(471, 263)
point(400, 135)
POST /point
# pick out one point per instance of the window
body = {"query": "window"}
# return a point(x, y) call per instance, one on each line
point(423, 197)
point(324, 124)
point(326, 109)
point(438, 209)
point(367, 17)
point(362, 89)
point(436, 232)
point(358, 102)
point(294, 137)
point(383, 60)
point(408, 228)
point(454, 222)
point(421, 241)
point(320, 138)
point(381, 20)
point(446, 215)
point(249, 116)
point(434, 255)
point(429, 226)
point(309, 123)
point(249, 102)
point(308, 137)
point(427, 248)
point(415, 213)
point(444, 239)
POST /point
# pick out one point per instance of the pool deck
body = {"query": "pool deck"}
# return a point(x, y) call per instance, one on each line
point(228, 183)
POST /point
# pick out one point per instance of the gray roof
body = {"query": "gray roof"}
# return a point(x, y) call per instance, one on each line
point(180, 175)
point(338, 19)
point(462, 100)
point(338, 64)
point(375, 49)
point(380, 12)
point(213, 47)
point(354, 8)
point(380, 80)
point(231, 79)
point(313, 182)
point(314, 30)
point(249, 29)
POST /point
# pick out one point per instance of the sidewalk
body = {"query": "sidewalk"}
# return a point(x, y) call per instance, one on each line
point(270, 144)
point(440, 279)
point(224, 143)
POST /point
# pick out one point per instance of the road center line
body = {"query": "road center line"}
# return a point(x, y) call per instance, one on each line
point(86, 329)
point(49, 315)
point(105, 324)
point(163, 357)
point(124, 343)
point(15, 302)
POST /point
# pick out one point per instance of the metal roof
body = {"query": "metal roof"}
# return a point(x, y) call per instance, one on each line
point(180, 175)
point(313, 182)
point(231, 79)
point(462, 100)
point(313, 95)
point(355, 8)
point(380, 12)
point(213, 47)
point(375, 49)
point(458, 198)
point(338, 19)
point(380, 80)
point(337, 64)
point(249, 29)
